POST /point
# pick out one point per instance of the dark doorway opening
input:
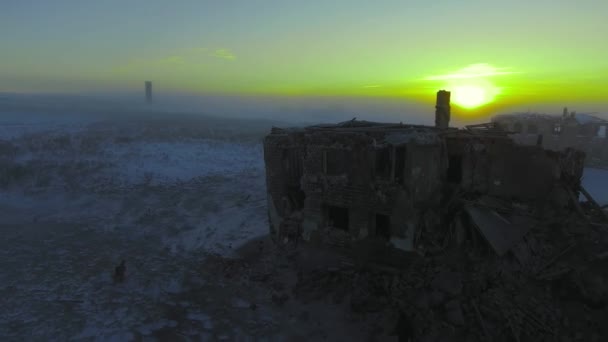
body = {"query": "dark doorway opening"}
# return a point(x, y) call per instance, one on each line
point(532, 129)
point(296, 197)
point(455, 169)
point(337, 217)
point(383, 163)
point(518, 127)
point(292, 164)
point(400, 154)
point(383, 226)
point(539, 140)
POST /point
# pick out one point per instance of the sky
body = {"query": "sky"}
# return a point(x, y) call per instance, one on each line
point(490, 54)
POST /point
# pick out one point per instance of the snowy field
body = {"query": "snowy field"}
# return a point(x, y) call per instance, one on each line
point(76, 199)
point(175, 200)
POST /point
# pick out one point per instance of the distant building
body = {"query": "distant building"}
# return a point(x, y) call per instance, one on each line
point(583, 132)
point(149, 91)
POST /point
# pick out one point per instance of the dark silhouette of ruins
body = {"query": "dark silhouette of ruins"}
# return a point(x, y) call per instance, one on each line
point(410, 185)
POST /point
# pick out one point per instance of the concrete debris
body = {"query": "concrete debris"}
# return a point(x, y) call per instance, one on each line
point(403, 329)
point(239, 303)
point(280, 298)
point(454, 313)
point(494, 298)
point(460, 293)
point(500, 233)
point(448, 282)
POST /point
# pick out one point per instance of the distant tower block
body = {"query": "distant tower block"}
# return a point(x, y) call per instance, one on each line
point(442, 109)
point(148, 91)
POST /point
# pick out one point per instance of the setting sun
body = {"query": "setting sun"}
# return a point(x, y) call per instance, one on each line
point(471, 86)
point(471, 96)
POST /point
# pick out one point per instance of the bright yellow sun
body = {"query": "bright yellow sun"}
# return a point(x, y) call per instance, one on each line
point(473, 93)
point(469, 96)
point(471, 86)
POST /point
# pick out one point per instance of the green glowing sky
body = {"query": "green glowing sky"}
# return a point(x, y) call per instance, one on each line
point(489, 53)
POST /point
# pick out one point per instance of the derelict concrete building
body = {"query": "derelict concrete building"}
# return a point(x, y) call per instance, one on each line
point(583, 132)
point(358, 180)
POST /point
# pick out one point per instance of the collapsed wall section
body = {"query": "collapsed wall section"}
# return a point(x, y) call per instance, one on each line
point(498, 167)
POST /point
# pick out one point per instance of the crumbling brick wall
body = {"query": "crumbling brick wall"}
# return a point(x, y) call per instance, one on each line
point(341, 171)
point(279, 179)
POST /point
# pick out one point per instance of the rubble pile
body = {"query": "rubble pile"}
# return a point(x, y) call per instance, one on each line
point(499, 271)
point(558, 292)
point(467, 233)
point(239, 270)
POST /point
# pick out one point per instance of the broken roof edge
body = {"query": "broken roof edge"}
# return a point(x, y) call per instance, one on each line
point(392, 129)
point(526, 116)
point(581, 118)
point(356, 126)
point(362, 125)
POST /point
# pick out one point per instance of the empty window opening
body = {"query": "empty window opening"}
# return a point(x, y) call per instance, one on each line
point(502, 126)
point(539, 140)
point(334, 162)
point(292, 164)
point(383, 163)
point(383, 226)
point(285, 160)
point(602, 132)
point(557, 129)
point(455, 169)
point(400, 154)
point(518, 127)
point(588, 130)
point(337, 217)
point(296, 197)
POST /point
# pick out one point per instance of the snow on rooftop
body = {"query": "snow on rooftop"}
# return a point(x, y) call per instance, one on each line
point(583, 118)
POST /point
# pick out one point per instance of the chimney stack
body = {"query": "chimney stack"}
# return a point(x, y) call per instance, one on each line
point(442, 109)
point(149, 91)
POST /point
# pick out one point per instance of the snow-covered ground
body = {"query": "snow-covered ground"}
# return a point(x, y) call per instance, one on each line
point(74, 202)
point(78, 197)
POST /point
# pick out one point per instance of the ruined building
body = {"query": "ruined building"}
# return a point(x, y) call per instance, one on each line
point(583, 132)
point(358, 181)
